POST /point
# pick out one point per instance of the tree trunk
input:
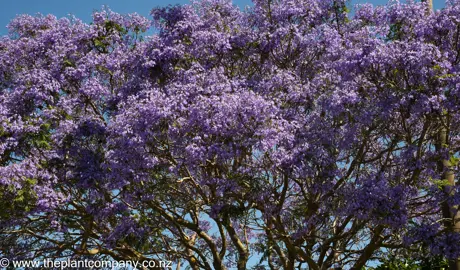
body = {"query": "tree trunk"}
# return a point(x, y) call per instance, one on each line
point(451, 216)
point(430, 4)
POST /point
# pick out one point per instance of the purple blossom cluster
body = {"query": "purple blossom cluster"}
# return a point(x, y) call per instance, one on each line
point(292, 130)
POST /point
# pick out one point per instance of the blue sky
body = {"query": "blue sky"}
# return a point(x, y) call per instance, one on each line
point(83, 8)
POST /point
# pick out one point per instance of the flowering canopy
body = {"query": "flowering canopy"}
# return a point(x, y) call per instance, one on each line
point(289, 134)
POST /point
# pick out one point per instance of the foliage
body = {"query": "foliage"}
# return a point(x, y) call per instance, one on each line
point(291, 134)
point(430, 263)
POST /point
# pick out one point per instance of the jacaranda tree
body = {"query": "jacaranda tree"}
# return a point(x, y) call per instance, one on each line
point(289, 135)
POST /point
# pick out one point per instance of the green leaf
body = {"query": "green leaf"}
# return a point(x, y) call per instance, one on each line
point(441, 183)
point(68, 63)
point(98, 43)
point(453, 161)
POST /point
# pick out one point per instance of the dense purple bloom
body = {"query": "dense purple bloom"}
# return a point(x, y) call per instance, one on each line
point(291, 130)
